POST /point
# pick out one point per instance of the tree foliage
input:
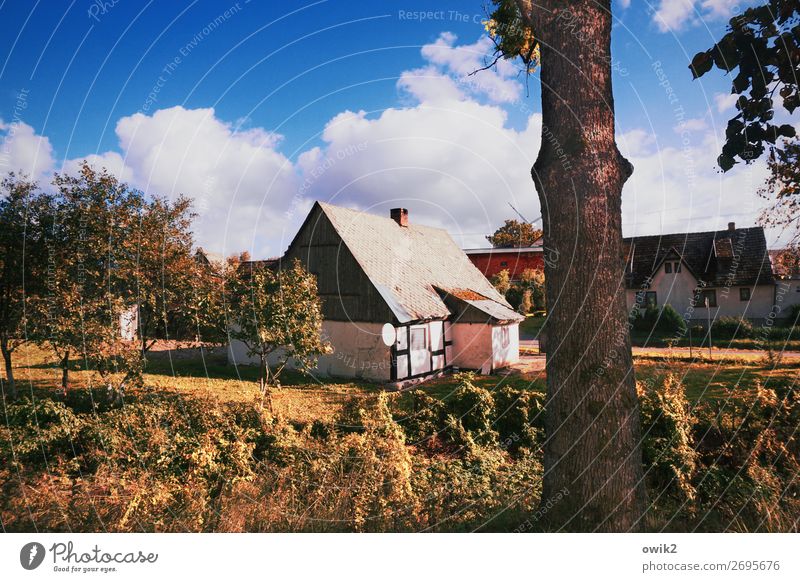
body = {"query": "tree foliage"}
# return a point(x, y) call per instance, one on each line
point(74, 262)
point(515, 234)
point(20, 250)
point(761, 50)
point(276, 314)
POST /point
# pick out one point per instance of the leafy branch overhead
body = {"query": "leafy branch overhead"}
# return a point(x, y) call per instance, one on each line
point(762, 49)
point(509, 27)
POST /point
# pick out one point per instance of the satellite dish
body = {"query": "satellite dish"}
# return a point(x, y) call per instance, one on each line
point(389, 334)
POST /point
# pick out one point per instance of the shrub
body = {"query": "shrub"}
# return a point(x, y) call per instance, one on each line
point(423, 418)
point(669, 457)
point(793, 320)
point(352, 417)
point(732, 327)
point(526, 305)
point(665, 320)
point(473, 407)
point(519, 418)
point(514, 297)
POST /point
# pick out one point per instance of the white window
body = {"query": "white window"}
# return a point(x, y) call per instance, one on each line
point(418, 339)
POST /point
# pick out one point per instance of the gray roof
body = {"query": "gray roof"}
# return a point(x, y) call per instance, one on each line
point(732, 257)
point(412, 266)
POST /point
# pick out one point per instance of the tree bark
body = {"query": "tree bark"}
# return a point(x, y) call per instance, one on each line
point(65, 372)
point(11, 392)
point(593, 478)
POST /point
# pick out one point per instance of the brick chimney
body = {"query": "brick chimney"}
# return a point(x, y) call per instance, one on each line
point(731, 226)
point(399, 215)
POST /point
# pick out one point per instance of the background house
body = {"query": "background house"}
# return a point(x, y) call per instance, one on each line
point(401, 302)
point(730, 269)
point(490, 261)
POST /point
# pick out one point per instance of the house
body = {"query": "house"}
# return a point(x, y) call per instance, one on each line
point(401, 302)
point(490, 261)
point(727, 270)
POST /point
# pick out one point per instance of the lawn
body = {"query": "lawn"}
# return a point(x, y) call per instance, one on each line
point(303, 399)
point(530, 327)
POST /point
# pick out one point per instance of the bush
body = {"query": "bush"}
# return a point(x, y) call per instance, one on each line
point(667, 447)
point(665, 320)
point(732, 327)
point(423, 418)
point(793, 320)
point(514, 297)
point(519, 418)
point(473, 407)
point(352, 417)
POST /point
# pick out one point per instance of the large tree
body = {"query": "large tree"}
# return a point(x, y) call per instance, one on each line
point(593, 476)
point(88, 236)
point(176, 296)
point(21, 265)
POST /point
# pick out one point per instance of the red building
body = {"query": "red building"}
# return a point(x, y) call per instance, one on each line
point(491, 261)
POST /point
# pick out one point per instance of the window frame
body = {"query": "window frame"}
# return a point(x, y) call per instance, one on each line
point(418, 331)
point(647, 296)
point(745, 291)
point(668, 267)
point(711, 294)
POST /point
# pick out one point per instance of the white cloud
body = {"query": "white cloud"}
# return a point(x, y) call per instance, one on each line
point(240, 182)
point(682, 189)
point(675, 15)
point(499, 84)
point(695, 124)
point(450, 156)
point(725, 101)
point(23, 151)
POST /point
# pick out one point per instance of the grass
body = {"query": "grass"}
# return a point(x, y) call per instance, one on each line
point(531, 325)
point(303, 399)
point(662, 340)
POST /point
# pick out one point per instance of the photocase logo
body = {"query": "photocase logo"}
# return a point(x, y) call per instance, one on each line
point(31, 555)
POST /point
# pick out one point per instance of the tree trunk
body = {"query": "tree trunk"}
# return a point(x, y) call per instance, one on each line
point(593, 478)
point(65, 372)
point(11, 392)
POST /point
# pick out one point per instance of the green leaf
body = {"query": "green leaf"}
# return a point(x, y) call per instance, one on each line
point(725, 162)
point(701, 64)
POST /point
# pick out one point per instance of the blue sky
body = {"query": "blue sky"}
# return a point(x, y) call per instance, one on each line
point(257, 108)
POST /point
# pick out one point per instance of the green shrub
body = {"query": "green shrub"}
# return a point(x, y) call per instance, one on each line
point(514, 297)
point(473, 407)
point(793, 319)
point(519, 417)
point(667, 447)
point(664, 320)
point(422, 418)
point(732, 327)
point(352, 417)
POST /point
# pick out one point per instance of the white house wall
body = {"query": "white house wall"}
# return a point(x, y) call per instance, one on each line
point(472, 345)
point(677, 290)
point(359, 352)
point(504, 354)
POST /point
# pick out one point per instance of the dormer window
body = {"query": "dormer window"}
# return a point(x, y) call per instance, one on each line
point(667, 267)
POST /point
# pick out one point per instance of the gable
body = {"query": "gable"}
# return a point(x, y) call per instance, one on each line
point(346, 292)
